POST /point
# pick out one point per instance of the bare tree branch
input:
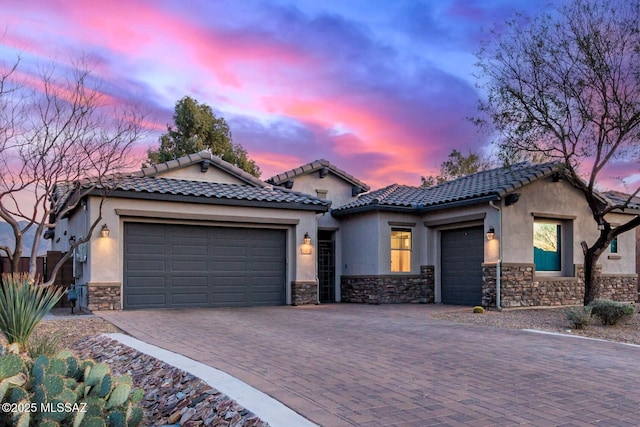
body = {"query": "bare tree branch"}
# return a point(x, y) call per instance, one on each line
point(60, 140)
point(566, 86)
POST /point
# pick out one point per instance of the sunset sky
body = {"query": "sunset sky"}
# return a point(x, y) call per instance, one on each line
point(380, 88)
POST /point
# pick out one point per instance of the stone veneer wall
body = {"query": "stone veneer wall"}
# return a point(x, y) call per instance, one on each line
point(304, 293)
point(104, 296)
point(621, 287)
point(389, 289)
point(521, 288)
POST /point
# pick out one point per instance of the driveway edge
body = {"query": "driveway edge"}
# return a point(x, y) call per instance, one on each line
point(264, 406)
point(538, 331)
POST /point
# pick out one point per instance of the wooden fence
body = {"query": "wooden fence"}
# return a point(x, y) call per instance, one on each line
point(44, 269)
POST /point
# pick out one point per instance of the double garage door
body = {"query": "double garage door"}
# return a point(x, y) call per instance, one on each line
point(462, 255)
point(174, 266)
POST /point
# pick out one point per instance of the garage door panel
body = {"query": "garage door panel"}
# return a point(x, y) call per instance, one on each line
point(146, 248)
point(144, 266)
point(187, 266)
point(229, 266)
point(203, 266)
point(146, 301)
point(190, 299)
point(227, 251)
point(190, 282)
point(231, 298)
point(184, 250)
point(264, 266)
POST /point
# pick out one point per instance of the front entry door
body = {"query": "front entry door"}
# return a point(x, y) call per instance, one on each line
point(326, 266)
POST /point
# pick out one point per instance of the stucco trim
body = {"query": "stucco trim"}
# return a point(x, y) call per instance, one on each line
point(134, 213)
point(552, 215)
point(456, 219)
point(544, 278)
point(401, 224)
point(115, 283)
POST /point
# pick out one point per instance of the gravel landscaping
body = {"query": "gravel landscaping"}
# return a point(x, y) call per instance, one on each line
point(546, 319)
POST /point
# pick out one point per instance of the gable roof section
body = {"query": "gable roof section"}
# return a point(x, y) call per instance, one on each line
point(150, 185)
point(482, 186)
point(206, 159)
point(323, 166)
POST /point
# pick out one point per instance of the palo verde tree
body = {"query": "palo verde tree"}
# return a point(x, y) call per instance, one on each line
point(197, 128)
point(457, 165)
point(60, 139)
point(566, 85)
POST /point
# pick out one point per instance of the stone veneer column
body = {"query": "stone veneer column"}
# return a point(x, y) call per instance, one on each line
point(304, 292)
point(104, 296)
point(488, 285)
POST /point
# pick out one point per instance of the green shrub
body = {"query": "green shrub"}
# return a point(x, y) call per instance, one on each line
point(580, 317)
point(43, 344)
point(23, 304)
point(478, 309)
point(611, 312)
point(61, 390)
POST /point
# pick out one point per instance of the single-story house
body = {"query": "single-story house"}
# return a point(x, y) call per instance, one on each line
point(199, 232)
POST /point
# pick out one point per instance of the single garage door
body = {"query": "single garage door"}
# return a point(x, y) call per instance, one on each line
point(462, 255)
point(171, 266)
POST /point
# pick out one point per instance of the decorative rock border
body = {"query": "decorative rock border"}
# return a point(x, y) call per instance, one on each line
point(171, 395)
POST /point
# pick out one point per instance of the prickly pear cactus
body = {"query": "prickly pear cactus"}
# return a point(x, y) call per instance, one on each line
point(10, 365)
point(61, 390)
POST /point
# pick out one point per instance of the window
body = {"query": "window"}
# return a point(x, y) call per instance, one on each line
point(400, 250)
point(547, 246)
point(613, 247)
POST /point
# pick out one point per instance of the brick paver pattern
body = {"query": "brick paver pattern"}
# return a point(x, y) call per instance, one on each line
point(395, 365)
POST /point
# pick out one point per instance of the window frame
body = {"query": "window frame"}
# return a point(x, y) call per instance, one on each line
point(565, 237)
point(401, 251)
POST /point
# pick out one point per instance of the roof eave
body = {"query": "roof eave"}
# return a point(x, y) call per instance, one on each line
point(143, 195)
point(414, 209)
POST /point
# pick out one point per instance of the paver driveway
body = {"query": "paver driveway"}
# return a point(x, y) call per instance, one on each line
point(394, 365)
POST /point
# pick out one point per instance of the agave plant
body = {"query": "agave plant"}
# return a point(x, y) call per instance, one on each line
point(23, 304)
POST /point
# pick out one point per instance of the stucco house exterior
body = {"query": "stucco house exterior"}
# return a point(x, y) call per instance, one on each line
point(198, 232)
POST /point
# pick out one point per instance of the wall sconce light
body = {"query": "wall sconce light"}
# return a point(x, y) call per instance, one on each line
point(491, 234)
point(305, 249)
point(104, 232)
point(72, 240)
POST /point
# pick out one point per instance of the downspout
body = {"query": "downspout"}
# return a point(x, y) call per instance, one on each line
point(498, 269)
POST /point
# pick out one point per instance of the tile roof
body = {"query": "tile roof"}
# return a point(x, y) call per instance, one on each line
point(218, 191)
point(623, 200)
point(317, 165)
point(490, 184)
point(149, 181)
point(202, 156)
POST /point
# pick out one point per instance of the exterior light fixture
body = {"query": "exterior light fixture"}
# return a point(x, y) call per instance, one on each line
point(305, 249)
point(491, 234)
point(104, 232)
